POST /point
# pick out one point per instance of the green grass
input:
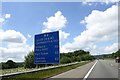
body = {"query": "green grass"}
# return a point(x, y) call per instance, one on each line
point(44, 74)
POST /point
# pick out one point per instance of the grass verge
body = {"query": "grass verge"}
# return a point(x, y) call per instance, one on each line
point(41, 75)
point(8, 71)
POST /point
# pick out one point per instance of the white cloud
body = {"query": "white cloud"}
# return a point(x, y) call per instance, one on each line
point(3, 18)
point(82, 22)
point(105, 1)
point(7, 16)
point(112, 48)
point(32, 47)
point(105, 49)
point(46, 30)
point(55, 22)
point(29, 36)
point(15, 46)
point(13, 43)
point(109, 1)
point(12, 36)
point(63, 35)
point(103, 27)
point(87, 3)
point(100, 26)
point(15, 51)
point(94, 2)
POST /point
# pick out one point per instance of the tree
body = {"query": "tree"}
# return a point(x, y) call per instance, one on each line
point(86, 57)
point(80, 52)
point(78, 55)
point(65, 60)
point(113, 55)
point(9, 64)
point(78, 58)
point(75, 58)
point(118, 53)
point(29, 60)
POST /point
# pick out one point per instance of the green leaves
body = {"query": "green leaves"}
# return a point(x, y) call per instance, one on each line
point(29, 60)
point(76, 56)
point(9, 64)
point(79, 55)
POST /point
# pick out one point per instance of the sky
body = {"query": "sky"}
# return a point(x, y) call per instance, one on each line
point(89, 26)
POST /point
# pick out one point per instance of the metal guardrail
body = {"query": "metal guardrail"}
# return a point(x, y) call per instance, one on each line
point(39, 69)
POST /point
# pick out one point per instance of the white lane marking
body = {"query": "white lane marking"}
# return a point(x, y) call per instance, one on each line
point(86, 76)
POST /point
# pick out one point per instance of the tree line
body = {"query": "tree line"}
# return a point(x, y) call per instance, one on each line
point(11, 64)
point(113, 55)
point(76, 56)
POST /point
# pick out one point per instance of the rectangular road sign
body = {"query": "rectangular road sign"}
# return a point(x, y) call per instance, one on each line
point(47, 48)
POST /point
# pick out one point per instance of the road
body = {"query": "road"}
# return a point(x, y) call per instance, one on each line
point(99, 69)
point(105, 69)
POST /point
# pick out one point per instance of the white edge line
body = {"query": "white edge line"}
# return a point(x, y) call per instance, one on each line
point(86, 76)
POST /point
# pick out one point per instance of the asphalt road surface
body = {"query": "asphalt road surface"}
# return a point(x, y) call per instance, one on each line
point(97, 70)
point(105, 69)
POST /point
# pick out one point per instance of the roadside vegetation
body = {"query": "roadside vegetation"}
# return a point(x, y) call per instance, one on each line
point(11, 64)
point(76, 56)
point(111, 56)
point(40, 75)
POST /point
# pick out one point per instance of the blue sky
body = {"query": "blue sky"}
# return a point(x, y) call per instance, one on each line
point(76, 24)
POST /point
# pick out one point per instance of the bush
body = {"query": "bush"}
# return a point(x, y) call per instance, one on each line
point(9, 64)
point(29, 60)
point(65, 60)
point(75, 58)
point(87, 57)
point(78, 58)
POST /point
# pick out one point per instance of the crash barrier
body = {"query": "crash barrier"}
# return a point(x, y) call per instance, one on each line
point(39, 69)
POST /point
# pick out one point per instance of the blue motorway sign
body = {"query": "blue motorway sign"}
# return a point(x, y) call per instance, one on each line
point(47, 48)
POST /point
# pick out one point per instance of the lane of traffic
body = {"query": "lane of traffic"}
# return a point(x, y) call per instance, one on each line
point(77, 73)
point(105, 69)
point(102, 69)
